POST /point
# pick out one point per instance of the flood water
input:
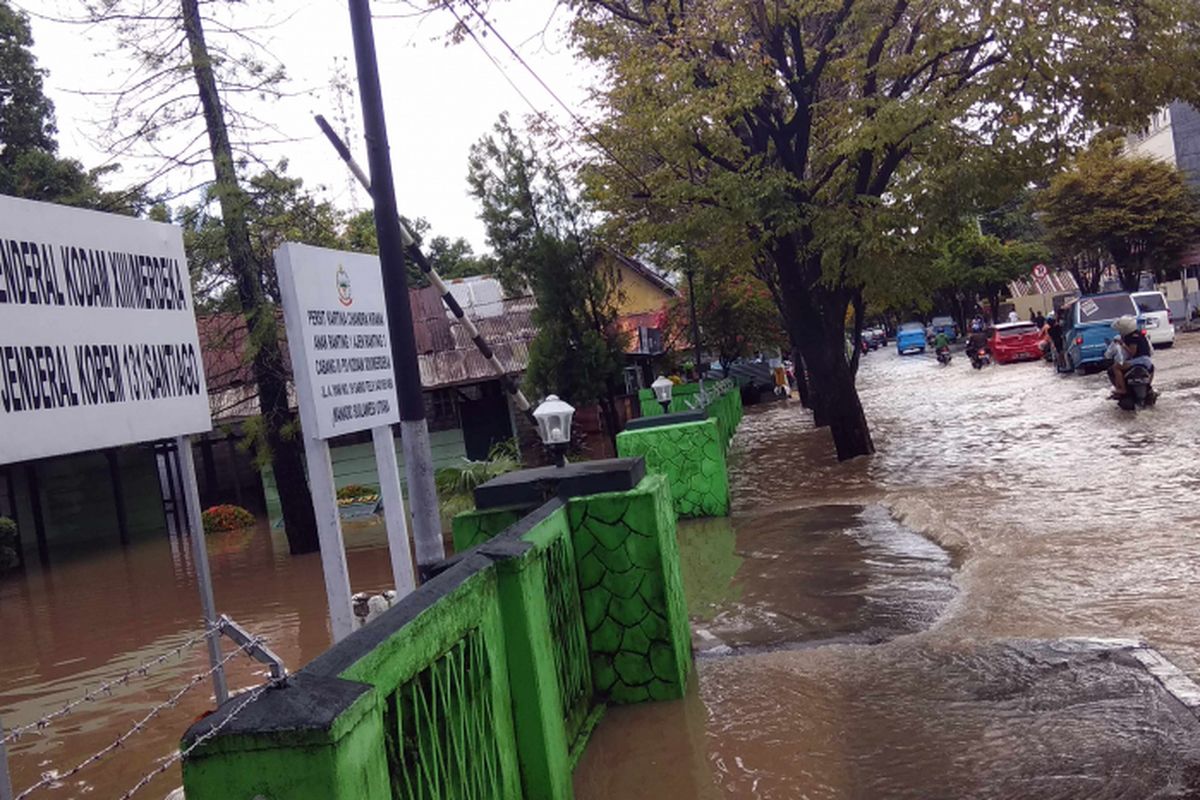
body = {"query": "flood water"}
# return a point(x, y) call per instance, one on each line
point(86, 621)
point(911, 625)
point(1059, 518)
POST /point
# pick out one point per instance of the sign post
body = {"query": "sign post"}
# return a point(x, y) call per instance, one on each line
point(98, 347)
point(337, 324)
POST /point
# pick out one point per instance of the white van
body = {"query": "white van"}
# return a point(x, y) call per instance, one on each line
point(1153, 311)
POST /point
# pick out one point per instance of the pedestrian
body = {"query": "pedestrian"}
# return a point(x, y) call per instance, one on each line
point(1039, 320)
point(1012, 316)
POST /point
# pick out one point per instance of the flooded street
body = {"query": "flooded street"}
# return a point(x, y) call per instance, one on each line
point(1062, 519)
point(960, 616)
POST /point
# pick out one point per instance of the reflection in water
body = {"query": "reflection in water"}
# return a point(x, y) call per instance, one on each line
point(1065, 516)
point(84, 621)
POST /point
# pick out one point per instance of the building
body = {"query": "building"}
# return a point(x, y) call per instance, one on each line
point(643, 297)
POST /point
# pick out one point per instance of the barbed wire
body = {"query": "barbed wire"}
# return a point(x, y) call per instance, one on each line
point(105, 689)
point(51, 778)
point(179, 755)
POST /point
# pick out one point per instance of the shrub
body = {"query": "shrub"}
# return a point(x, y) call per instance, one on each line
point(226, 518)
point(356, 491)
point(9, 558)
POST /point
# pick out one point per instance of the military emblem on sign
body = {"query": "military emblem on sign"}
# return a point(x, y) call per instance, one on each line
point(343, 286)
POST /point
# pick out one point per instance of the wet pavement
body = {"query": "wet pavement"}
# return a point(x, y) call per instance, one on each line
point(1049, 520)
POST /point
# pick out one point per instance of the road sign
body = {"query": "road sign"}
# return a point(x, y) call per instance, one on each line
point(1040, 271)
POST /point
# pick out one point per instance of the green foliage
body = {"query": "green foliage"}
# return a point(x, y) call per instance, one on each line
point(228, 517)
point(29, 164)
point(735, 313)
point(1135, 211)
point(9, 557)
point(540, 240)
point(971, 264)
point(450, 258)
point(456, 485)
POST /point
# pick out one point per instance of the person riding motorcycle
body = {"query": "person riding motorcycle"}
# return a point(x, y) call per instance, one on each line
point(976, 342)
point(941, 346)
point(1136, 350)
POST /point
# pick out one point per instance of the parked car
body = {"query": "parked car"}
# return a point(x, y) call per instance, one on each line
point(944, 325)
point(1089, 327)
point(878, 335)
point(1014, 341)
point(1156, 317)
point(910, 338)
point(869, 342)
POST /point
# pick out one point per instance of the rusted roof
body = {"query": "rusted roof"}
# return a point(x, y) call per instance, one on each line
point(445, 353)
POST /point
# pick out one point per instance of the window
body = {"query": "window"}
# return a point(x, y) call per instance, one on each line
point(1103, 308)
point(1148, 303)
point(1017, 330)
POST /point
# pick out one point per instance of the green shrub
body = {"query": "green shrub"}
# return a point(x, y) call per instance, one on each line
point(9, 558)
point(226, 518)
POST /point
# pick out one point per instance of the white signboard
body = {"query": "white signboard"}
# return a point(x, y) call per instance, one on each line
point(338, 336)
point(98, 343)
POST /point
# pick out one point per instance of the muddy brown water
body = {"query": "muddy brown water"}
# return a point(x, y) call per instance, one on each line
point(882, 628)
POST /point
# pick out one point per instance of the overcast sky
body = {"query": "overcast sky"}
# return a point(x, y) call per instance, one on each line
point(439, 98)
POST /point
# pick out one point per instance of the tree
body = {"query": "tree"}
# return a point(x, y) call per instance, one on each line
point(29, 163)
point(450, 258)
point(539, 239)
point(1133, 210)
point(734, 311)
point(974, 265)
point(831, 135)
point(176, 111)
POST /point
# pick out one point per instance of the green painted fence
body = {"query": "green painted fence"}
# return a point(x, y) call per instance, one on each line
point(724, 404)
point(487, 680)
point(692, 454)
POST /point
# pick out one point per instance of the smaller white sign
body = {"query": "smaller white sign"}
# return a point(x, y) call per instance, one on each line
point(337, 333)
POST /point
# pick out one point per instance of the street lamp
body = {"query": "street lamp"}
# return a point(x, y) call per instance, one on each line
point(553, 419)
point(662, 392)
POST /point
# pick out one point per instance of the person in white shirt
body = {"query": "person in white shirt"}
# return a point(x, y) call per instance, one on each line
point(1012, 316)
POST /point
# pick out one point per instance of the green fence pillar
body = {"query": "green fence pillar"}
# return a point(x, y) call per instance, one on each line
point(314, 739)
point(632, 592)
point(692, 456)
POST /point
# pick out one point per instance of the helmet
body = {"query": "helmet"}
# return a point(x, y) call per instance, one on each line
point(1125, 325)
point(1050, 315)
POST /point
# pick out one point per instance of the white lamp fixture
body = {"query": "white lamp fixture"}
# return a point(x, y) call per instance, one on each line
point(663, 387)
point(553, 418)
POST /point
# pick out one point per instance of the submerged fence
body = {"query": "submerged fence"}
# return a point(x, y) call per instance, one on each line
point(487, 680)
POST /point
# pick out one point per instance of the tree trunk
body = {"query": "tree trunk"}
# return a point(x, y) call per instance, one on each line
point(817, 327)
point(801, 373)
point(263, 342)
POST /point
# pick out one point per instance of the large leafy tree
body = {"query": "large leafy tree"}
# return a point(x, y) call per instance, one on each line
point(540, 238)
point(831, 134)
point(1134, 212)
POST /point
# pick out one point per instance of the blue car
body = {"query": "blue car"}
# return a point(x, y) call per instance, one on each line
point(1088, 328)
point(910, 338)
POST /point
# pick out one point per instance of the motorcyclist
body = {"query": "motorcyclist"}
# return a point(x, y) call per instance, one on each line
point(941, 344)
point(975, 342)
point(1136, 349)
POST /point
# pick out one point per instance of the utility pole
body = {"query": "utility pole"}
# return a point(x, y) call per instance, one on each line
point(414, 432)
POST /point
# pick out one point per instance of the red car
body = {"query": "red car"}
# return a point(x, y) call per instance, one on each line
point(1015, 341)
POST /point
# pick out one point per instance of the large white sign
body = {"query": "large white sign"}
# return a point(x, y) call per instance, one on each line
point(338, 337)
point(98, 343)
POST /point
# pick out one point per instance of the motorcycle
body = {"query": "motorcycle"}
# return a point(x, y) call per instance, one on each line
point(1139, 389)
point(943, 355)
point(980, 358)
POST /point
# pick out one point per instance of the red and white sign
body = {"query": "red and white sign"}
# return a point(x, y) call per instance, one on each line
point(1040, 271)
